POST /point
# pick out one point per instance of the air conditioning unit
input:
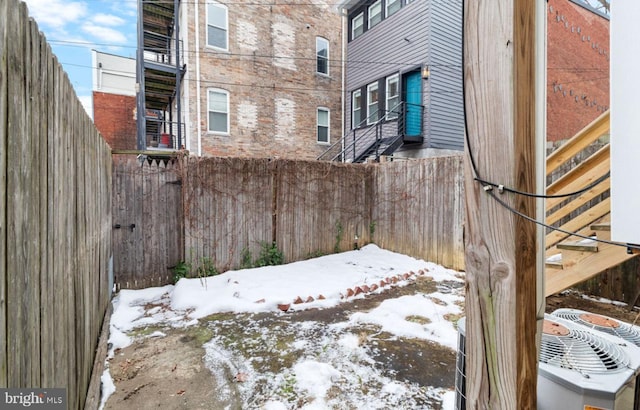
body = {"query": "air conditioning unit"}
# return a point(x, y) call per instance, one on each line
point(601, 323)
point(461, 368)
point(579, 369)
point(582, 368)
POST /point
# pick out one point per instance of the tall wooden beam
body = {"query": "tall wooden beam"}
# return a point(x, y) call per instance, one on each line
point(500, 247)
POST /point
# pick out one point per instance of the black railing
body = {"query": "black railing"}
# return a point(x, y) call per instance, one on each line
point(163, 134)
point(379, 138)
point(161, 49)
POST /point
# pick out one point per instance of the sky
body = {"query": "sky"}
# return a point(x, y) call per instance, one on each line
point(74, 28)
point(343, 363)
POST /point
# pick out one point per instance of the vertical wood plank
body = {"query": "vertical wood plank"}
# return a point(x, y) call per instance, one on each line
point(500, 248)
point(19, 176)
point(37, 194)
point(4, 99)
point(46, 205)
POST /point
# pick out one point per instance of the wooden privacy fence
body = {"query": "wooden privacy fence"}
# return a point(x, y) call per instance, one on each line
point(418, 209)
point(230, 208)
point(55, 218)
point(147, 221)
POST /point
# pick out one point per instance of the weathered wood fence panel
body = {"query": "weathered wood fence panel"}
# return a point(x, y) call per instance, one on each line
point(147, 221)
point(309, 208)
point(55, 218)
point(228, 209)
point(419, 209)
point(321, 207)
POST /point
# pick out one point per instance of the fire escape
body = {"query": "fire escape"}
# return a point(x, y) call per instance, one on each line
point(160, 70)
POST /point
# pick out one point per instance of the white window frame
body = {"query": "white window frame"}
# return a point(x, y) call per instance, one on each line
point(377, 4)
point(387, 5)
point(355, 125)
point(328, 126)
point(209, 110)
point(388, 97)
point(360, 16)
point(370, 87)
point(318, 57)
point(223, 8)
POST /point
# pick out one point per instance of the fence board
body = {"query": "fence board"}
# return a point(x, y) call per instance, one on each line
point(47, 317)
point(37, 194)
point(19, 215)
point(51, 185)
point(4, 17)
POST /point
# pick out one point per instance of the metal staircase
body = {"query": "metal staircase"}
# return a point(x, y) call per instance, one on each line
point(369, 142)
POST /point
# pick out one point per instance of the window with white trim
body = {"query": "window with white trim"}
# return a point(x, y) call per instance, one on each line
point(217, 25)
point(357, 25)
point(356, 108)
point(372, 103)
point(392, 6)
point(375, 13)
point(322, 55)
point(218, 111)
point(393, 96)
point(323, 125)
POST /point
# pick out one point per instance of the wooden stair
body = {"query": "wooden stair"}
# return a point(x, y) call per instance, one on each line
point(571, 260)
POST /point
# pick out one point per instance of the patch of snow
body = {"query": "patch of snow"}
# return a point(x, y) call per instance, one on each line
point(315, 378)
point(587, 241)
point(274, 405)
point(107, 388)
point(555, 258)
point(449, 400)
point(392, 316)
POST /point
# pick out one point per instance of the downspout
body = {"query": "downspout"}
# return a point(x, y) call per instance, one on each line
point(344, 71)
point(197, 47)
point(176, 11)
point(541, 155)
point(141, 143)
point(185, 96)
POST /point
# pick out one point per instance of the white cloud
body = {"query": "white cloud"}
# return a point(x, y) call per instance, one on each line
point(104, 34)
point(107, 20)
point(56, 13)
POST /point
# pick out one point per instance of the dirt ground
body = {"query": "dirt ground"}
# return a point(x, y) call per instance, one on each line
point(169, 372)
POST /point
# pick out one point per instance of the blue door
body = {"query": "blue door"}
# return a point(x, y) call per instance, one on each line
point(412, 91)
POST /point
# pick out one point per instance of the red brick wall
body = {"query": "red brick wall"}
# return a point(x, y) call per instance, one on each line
point(577, 68)
point(114, 117)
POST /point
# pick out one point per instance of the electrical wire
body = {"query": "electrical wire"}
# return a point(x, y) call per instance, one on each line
point(488, 186)
point(532, 195)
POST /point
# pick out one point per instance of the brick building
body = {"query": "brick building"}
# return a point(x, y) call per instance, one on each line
point(114, 99)
point(256, 79)
point(577, 67)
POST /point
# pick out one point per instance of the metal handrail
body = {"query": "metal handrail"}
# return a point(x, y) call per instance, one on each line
point(365, 135)
point(163, 53)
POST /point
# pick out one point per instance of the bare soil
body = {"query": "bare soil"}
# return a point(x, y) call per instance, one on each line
point(170, 373)
point(575, 300)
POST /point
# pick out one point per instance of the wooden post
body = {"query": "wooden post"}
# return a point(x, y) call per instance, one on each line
point(500, 247)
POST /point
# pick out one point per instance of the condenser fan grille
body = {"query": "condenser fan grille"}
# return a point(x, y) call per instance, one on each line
point(601, 323)
point(583, 352)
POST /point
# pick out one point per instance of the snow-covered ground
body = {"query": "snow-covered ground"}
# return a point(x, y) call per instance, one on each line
point(328, 358)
